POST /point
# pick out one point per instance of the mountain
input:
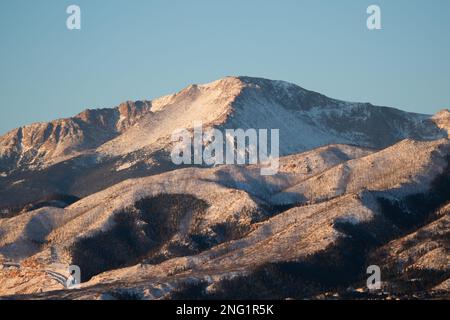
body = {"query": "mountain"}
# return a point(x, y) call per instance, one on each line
point(47, 143)
point(357, 185)
point(104, 147)
point(217, 224)
point(235, 102)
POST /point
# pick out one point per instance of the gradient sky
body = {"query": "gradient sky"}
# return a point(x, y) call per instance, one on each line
point(142, 49)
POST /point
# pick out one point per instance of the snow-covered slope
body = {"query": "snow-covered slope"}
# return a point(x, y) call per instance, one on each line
point(46, 143)
point(243, 187)
point(98, 148)
point(258, 231)
point(390, 169)
point(306, 120)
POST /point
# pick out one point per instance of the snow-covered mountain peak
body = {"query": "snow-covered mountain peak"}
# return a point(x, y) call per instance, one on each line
point(225, 89)
point(306, 120)
point(100, 191)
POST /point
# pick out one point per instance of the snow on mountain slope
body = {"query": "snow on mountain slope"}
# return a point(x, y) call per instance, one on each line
point(292, 170)
point(312, 162)
point(306, 120)
point(406, 167)
point(209, 104)
point(99, 148)
point(238, 197)
point(231, 190)
point(34, 237)
point(94, 212)
point(295, 233)
point(427, 248)
point(46, 143)
point(21, 235)
point(420, 258)
point(209, 224)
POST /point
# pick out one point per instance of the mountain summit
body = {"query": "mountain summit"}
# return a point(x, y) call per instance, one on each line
point(306, 120)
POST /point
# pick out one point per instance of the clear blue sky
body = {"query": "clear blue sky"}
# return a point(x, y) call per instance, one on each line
point(142, 49)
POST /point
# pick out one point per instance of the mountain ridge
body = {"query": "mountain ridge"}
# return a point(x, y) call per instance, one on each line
point(62, 137)
point(238, 228)
point(357, 185)
point(232, 102)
